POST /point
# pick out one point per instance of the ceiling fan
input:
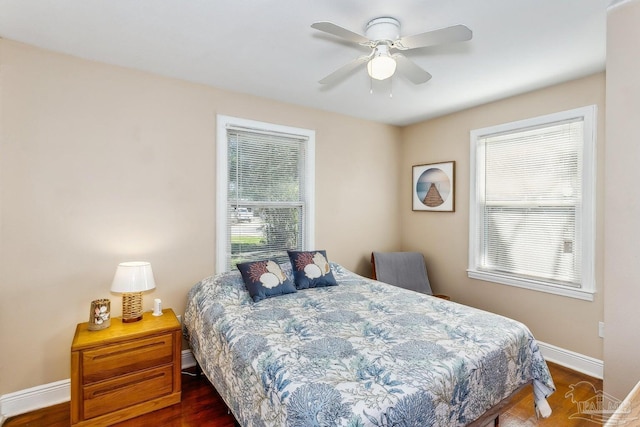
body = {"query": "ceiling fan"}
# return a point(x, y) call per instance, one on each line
point(382, 35)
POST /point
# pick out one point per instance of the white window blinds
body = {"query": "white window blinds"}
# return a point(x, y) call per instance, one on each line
point(530, 218)
point(266, 200)
point(532, 194)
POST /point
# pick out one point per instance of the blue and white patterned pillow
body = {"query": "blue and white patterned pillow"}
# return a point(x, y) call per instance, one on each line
point(265, 279)
point(311, 269)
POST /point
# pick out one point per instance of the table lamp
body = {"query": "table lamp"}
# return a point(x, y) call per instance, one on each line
point(131, 279)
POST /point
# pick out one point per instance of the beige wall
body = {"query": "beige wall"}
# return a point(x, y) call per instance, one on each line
point(100, 164)
point(622, 212)
point(443, 237)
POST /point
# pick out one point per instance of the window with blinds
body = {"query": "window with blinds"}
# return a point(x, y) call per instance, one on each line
point(532, 204)
point(267, 188)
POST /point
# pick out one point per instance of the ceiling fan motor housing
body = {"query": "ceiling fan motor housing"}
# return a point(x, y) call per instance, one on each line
point(383, 29)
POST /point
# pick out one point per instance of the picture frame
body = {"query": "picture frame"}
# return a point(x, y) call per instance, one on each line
point(433, 187)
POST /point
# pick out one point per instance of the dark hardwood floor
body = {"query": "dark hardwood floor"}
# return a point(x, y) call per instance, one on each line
point(202, 406)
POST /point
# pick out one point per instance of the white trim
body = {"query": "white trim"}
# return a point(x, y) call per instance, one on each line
point(46, 395)
point(221, 192)
point(534, 285)
point(587, 225)
point(572, 360)
point(188, 361)
point(33, 398)
point(222, 123)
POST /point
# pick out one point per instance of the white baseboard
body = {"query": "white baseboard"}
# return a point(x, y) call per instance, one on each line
point(572, 360)
point(30, 399)
point(38, 397)
point(188, 360)
point(34, 398)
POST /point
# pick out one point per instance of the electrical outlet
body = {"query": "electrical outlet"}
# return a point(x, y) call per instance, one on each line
point(601, 329)
point(179, 316)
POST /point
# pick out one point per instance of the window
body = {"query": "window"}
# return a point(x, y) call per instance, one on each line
point(265, 188)
point(532, 204)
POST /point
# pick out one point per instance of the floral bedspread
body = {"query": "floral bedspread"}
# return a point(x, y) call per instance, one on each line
point(362, 353)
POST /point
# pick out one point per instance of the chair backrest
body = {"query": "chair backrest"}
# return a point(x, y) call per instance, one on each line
point(403, 269)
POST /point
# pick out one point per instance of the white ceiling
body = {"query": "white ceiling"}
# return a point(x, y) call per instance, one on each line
point(267, 48)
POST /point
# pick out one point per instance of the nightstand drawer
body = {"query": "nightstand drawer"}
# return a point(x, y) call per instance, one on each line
point(119, 393)
point(119, 359)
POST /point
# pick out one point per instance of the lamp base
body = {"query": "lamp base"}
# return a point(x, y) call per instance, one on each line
point(131, 307)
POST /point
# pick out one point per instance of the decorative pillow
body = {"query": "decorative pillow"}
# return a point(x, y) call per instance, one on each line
point(311, 269)
point(265, 279)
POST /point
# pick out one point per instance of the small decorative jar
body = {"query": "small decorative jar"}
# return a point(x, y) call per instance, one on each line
point(100, 315)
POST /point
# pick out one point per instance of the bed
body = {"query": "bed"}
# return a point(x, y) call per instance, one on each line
point(362, 353)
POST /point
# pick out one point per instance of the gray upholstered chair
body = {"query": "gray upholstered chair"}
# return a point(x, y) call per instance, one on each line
point(403, 269)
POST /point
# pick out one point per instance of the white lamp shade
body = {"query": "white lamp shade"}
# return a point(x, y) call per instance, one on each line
point(133, 276)
point(381, 67)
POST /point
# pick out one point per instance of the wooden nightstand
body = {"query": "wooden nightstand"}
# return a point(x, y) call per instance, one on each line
point(126, 370)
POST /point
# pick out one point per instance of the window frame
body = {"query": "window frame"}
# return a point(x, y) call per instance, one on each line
point(586, 220)
point(223, 122)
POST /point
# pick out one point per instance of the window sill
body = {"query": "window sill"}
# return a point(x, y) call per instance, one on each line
point(532, 285)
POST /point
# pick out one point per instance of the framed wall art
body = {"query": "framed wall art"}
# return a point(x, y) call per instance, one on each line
point(433, 187)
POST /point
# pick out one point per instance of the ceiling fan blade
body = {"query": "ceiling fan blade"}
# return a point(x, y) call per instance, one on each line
point(336, 30)
point(343, 71)
point(456, 33)
point(410, 70)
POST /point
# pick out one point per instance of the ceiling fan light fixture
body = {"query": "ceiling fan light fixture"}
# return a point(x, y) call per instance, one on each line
point(381, 66)
point(382, 35)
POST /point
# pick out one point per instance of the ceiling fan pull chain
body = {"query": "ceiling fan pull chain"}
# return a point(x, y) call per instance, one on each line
point(391, 87)
point(370, 85)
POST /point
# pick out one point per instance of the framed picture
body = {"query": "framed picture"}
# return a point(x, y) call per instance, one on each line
point(433, 187)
